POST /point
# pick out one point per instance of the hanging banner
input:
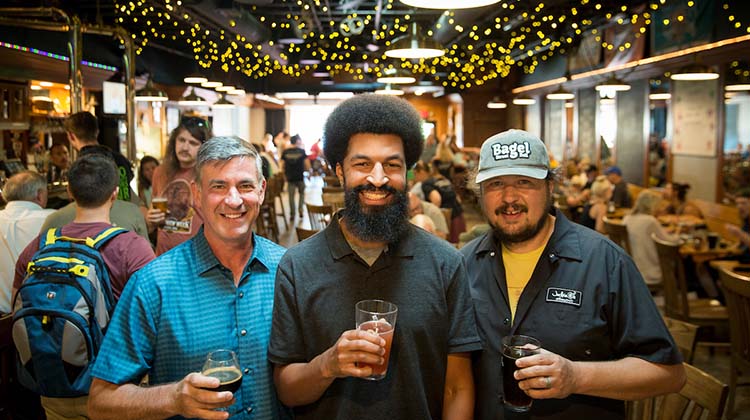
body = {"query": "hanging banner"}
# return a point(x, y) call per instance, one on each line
point(695, 106)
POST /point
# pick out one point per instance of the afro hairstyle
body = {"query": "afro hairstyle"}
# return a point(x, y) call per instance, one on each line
point(377, 114)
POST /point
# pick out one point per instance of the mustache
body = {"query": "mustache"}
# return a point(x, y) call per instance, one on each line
point(369, 187)
point(515, 207)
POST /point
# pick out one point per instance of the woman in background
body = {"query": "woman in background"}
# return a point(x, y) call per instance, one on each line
point(595, 210)
point(641, 223)
point(145, 178)
point(676, 196)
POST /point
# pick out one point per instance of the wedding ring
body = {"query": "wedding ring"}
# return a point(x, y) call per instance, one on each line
point(548, 382)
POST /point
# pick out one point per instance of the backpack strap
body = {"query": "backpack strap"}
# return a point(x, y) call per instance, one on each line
point(53, 235)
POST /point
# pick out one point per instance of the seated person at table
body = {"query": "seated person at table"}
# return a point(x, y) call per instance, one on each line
point(676, 196)
point(417, 206)
point(620, 193)
point(742, 201)
point(594, 211)
point(640, 224)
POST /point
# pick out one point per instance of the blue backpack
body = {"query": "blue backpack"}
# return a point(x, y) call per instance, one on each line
point(61, 312)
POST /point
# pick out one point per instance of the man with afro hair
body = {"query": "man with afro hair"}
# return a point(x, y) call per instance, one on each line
point(371, 251)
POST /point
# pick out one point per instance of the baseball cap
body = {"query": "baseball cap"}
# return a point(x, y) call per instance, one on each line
point(513, 152)
point(613, 170)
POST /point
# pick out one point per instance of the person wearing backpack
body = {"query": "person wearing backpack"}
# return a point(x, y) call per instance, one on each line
point(50, 270)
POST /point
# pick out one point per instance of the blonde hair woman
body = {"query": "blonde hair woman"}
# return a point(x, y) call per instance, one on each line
point(641, 223)
point(596, 209)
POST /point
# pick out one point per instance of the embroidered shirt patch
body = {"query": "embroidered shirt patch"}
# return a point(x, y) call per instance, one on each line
point(566, 296)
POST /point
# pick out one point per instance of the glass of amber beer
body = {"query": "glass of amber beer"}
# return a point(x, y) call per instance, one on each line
point(159, 203)
point(377, 317)
point(515, 347)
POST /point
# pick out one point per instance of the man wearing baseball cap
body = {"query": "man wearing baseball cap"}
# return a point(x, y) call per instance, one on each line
point(538, 274)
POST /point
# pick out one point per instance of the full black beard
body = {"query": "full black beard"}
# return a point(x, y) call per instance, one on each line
point(530, 231)
point(376, 223)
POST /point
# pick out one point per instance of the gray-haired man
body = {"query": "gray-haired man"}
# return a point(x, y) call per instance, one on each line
point(214, 291)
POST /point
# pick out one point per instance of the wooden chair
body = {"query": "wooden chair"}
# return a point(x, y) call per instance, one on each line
point(702, 397)
point(334, 199)
point(277, 181)
point(303, 234)
point(328, 190)
point(737, 293)
point(701, 312)
point(685, 335)
point(319, 216)
point(331, 181)
point(618, 233)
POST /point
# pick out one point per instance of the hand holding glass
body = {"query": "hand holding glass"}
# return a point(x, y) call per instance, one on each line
point(515, 347)
point(377, 317)
point(223, 365)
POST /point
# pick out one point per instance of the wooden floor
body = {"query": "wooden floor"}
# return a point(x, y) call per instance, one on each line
point(716, 364)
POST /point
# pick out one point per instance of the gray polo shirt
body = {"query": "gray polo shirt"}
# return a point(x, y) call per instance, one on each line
point(317, 285)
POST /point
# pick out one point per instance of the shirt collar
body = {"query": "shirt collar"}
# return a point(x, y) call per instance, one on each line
point(205, 259)
point(565, 241)
point(23, 205)
point(340, 248)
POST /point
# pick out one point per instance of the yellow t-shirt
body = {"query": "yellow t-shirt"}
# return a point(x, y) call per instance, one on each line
point(518, 271)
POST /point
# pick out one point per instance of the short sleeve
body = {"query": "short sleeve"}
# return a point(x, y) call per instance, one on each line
point(286, 345)
point(637, 328)
point(128, 350)
point(463, 336)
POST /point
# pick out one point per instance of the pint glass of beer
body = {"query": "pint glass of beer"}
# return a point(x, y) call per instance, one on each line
point(516, 347)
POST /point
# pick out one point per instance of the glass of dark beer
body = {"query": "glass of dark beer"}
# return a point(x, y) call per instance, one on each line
point(516, 347)
point(222, 364)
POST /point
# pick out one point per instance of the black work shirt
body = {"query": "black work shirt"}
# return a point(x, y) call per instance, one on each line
point(317, 285)
point(585, 301)
point(294, 164)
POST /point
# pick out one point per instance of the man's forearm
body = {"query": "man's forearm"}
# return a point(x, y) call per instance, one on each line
point(458, 398)
point(129, 401)
point(630, 378)
point(301, 383)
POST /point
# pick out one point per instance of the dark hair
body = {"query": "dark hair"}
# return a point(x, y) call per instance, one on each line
point(84, 126)
point(197, 127)
point(143, 182)
point(56, 145)
point(295, 139)
point(92, 179)
point(378, 114)
point(680, 190)
point(743, 193)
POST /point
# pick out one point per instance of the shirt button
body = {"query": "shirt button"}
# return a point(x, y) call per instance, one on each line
point(242, 294)
point(246, 371)
point(506, 321)
point(249, 410)
point(588, 352)
point(243, 332)
point(492, 254)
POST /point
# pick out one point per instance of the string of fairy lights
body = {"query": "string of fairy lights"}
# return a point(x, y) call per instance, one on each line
point(520, 35)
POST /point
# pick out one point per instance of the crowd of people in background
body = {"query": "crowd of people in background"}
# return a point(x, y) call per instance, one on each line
point(190, 253)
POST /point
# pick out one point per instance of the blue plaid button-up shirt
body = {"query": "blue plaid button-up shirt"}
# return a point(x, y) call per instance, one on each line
point(183, 305)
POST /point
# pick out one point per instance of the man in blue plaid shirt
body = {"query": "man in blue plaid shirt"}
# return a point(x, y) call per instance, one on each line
point(214, 291)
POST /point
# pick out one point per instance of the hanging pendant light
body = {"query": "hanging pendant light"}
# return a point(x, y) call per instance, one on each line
point(613, 84)
point(694, 72)
point(150, 94)
point(396, 76)
point(195, 78)
point(192, 99)
point(496, 103)
point(389, 90)
point(524, 100)
point(222, 103)
point(448, 4)
point(561, 95)
point(415, 45)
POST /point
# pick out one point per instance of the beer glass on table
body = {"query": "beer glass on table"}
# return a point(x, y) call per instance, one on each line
point(223, 365)
point(515, 347)
point(377, 317)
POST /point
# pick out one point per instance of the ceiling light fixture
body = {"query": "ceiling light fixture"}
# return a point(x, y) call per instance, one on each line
point(211, 84)
point(267, 98)
point(496, 103)
point(448, 4)
point(237, 92)
point(194, 78)
point(389, 90)
point(320, 73)
point(191, 99)
point(397, 79)
point(737, 78)
point(150, 94)
point(613, 84)
point(415, 45)
point(561, 95)
point(524, 100)
point(225, 88)
point(222, 103)
point(695, 72)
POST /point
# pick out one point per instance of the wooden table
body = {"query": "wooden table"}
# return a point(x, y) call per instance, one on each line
point(703, 253)
point(681, 220)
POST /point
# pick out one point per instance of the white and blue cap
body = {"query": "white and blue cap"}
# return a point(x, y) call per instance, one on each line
point(513, 152)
